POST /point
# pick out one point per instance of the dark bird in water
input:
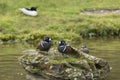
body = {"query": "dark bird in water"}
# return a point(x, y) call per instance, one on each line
point(84, 49)
point(45, 44)
point(66, 49)
point(29, 11)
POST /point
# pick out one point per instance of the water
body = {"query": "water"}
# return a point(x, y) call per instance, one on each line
point(10, 69)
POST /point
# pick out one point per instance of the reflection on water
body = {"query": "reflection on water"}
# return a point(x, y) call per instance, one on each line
point(109, 50)
point(10, 68)
point(34, 77)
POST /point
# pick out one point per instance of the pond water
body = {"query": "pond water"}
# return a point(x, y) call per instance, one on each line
point(10, 69)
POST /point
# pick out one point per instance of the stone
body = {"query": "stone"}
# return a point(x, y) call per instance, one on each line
point(53, 66)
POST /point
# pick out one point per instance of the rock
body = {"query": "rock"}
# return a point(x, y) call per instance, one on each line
point(53, 66)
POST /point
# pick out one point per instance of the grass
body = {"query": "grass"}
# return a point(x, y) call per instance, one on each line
point(60, 19)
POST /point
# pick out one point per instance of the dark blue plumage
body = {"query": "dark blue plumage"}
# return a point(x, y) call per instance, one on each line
point(45, 44)
point(66, 49)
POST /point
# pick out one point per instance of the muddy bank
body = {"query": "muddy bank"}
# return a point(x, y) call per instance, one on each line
point(101, 11)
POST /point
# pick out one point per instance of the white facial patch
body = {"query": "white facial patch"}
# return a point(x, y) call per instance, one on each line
point(49, 39)
point(59, 42)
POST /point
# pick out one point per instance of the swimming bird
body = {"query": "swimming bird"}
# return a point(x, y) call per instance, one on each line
point(84, 49)
point(66, 49)
point(45, 44)
point(29, 11)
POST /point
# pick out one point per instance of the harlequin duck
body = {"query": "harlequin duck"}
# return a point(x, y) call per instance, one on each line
point(45, 44)
point(66, 49)
point(84, 49)
point(29, 11)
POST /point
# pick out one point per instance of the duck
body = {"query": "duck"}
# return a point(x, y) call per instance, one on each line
point(29, 11)
point(63, 48)
point(45, 44)
point(84, 49)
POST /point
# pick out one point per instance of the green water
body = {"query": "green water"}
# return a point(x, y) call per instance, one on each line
point(10, 69)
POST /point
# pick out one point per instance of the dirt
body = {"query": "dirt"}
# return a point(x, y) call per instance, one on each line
point(101, 11)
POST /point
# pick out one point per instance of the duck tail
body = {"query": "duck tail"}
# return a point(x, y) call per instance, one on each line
point(21, 9)
point(74, 52)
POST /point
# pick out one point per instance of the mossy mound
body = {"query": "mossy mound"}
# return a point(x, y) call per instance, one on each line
point(53, 66)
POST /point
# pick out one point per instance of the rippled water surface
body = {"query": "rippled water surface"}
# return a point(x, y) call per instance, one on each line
point(10, 69)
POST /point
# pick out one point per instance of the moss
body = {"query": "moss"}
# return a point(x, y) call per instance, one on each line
point(65, 67)
point(64, 60)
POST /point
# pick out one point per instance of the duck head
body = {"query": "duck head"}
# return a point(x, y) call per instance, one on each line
point(83, 46)
point(47, 39)
point(62, 43)
point(33, 8)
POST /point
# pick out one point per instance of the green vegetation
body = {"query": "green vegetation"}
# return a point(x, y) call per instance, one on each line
point(60, 19)
point(68, 59)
